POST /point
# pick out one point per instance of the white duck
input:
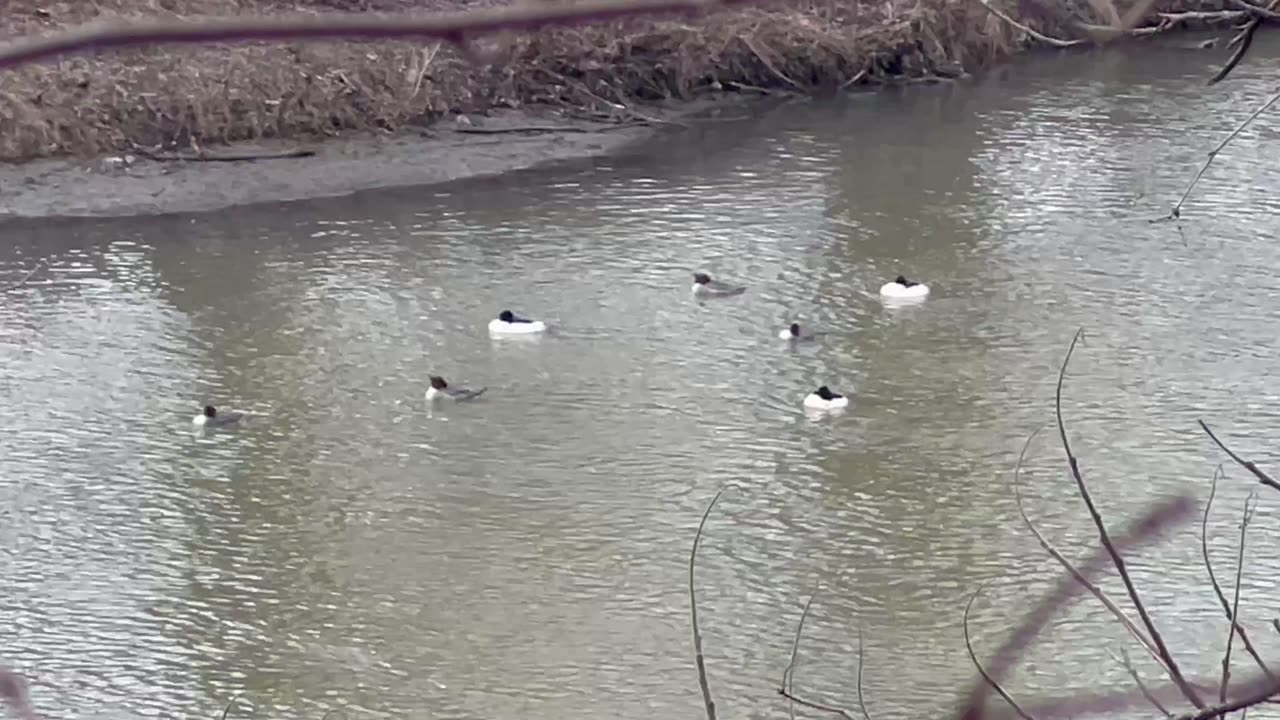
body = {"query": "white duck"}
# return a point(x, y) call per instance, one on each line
point(824, 399)
point(904, 289)
point(508, 323)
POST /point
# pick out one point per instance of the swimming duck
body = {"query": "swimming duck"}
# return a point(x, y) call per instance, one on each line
point(212, 418)
point(824, 399)
point(704, 286)
point(439, 388)
point(904, 288)
point(509, 322)
point(795, 332)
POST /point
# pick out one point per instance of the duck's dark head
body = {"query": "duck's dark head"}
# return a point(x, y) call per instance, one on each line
point(210, 411)
point(825, 393)
point(701, 278)
point(901, 280)
point(795, 329)
point(507, 316)
point(438, 382)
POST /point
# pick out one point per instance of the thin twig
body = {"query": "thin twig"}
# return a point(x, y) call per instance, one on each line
point(862, 703)
point(456, 27)
point(1176, 212)
point(26, 278)
point(230, 702)
point(787, 688)
point(968, 644)
point(1092, 587)
point(1235, 602)
point(1037, 35)
point(1256, 10)
point(1243, 41)
point(1174, 672)
point(693, 615)
point(1152, 525)
point(1217, 587)
point(1263, 477)
point(1137, 679)
point(1257, 689)
point(788, 682)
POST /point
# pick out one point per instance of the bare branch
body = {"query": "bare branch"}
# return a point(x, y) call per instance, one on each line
point(1174, 672)
point(862, 703)
point(1263, 477)
point(788, 682)
point(1256, 690)
point(1176, 212)
point(693, 615)
point(1092, 587)
point(457, 28)
point(1235, 602)
point(230, 702)
point(1149, 527)
point(1037, 35)
point(968, 644)
point(26, 278)
point(1137, 679)
point(1217, 588)
point(1244, 39)
point(786, 689)
point(1258, 10)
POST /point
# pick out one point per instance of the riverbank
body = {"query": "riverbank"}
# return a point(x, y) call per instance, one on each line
point(78, 136)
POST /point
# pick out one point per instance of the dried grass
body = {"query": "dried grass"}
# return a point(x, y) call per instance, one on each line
point(182, 96)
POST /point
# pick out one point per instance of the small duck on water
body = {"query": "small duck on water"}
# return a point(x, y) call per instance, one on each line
point(903, 288)
point(440, 389)
point(211, 417)
point(704, 286)
point(824, 399)
point(795, 332)
point(508, 322)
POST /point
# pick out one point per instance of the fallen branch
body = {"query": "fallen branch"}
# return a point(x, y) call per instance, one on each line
point(1137, 680)
point(968, 644)
point(457, 27)
point(787, 688)
point(549, 128)
point(1176, 212)
point(1213, 578)
point(693, 614)
point(1243, 41)
point(26, 278)
point(1174, 672)
point(226, 157)
point(1263, 477)
point(1235, 603)
point(1092, 587)
point(1256, 691)
point(1055, 42)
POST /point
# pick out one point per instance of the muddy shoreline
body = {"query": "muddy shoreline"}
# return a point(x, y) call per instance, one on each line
point(467, 147)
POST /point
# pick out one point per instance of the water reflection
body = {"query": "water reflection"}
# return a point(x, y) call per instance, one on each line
point(525, 554)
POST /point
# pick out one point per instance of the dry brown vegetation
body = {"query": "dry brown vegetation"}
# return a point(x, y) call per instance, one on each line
point(181, 96)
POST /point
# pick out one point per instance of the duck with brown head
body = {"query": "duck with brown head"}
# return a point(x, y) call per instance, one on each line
point(440, 389)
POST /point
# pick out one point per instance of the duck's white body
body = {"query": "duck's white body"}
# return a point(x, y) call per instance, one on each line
point(898, 291)
point(786, 334)
point(817, 402)
point(222, 417)
point(499, 327)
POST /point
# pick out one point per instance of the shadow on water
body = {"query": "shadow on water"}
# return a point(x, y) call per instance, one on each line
point(524, 554)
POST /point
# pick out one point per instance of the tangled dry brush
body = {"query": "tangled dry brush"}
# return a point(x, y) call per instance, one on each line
point(180, 96)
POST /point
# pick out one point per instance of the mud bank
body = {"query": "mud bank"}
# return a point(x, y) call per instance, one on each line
point(500, 143)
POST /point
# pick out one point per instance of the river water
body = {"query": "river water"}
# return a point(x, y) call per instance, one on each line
point(525, 555)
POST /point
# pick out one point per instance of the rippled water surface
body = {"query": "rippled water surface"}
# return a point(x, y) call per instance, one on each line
point(525, 555)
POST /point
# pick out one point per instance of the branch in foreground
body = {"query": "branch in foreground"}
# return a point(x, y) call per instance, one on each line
point(1152, 525)
point(1257, 690)
point(1093, 588)
point(1176, 212)
point(968, 645)
point(786, 689)
point(1213, 579)
point(1137, 680)
point(13, 690)
point(1244, 39)
point(456, 28)
point(693, 615)
point(1263, 477)
point(1174, 672)
point(1235, 603)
